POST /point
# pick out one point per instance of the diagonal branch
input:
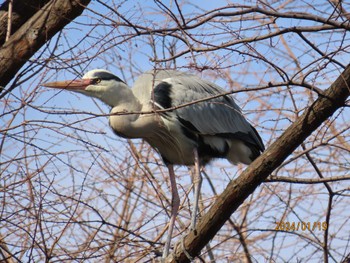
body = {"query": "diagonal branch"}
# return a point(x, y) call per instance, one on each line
point(238, 190)
point(21, 12)
point(33, 34)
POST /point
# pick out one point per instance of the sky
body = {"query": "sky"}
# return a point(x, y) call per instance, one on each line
point(58, 133)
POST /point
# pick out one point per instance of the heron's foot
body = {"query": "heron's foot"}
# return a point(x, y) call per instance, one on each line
point(190, 258)
point(166, 251)
point(180, 245)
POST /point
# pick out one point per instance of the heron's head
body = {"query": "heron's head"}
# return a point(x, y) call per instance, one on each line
point(98, 83)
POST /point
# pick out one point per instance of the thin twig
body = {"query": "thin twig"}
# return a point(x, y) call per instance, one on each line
point(9, 20)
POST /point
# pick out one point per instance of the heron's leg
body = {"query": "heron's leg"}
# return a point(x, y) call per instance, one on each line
point(175, 203)
point(197, 181)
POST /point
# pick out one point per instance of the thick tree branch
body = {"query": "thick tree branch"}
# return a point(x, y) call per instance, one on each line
point(238, 190)
point(34, 33)
point(21, 12)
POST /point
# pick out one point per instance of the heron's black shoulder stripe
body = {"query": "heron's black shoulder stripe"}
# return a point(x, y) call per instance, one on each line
point(162, 94)
point(106, 76)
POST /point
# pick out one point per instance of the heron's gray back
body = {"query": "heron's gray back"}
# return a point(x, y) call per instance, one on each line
point(216, 115)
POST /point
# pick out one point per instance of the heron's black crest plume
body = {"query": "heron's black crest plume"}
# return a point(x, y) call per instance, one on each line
point(103, 75)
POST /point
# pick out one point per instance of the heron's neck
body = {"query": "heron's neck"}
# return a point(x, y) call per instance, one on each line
point(125, 111)
point(121, 97)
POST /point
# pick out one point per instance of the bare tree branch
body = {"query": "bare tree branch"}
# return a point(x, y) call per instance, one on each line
point(21, 12)
point(33, 34)
point(72, 190)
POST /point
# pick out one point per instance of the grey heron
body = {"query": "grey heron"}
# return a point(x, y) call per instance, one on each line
point(201, 123)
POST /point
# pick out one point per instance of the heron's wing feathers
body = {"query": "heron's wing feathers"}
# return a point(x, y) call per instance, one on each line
point(215, 115)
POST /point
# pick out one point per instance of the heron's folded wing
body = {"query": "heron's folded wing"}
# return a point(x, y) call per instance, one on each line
point(216, 115)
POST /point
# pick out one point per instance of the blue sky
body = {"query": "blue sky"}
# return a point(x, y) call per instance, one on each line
point(76, 151)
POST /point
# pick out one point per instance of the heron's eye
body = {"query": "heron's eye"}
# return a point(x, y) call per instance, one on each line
point(95, 81)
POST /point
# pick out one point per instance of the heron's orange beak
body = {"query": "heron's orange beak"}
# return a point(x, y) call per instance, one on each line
point(77, 84)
